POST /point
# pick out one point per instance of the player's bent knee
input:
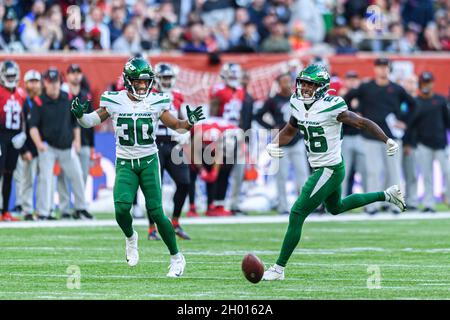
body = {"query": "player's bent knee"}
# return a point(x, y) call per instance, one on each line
point(122, 207)
point(334, 210)
point(155, 213)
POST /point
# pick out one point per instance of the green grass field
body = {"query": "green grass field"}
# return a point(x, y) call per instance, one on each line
point(331, 262)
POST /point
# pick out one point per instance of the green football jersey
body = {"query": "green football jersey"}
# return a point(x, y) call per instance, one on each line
point(322, 132)
point(135, 122)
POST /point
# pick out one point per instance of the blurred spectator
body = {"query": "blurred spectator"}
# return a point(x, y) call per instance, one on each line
point(428, 128)
point(129, 42)
point(355, 160)
point(237, 29)
point(418, 13)
point(222, 36)
point(173, 41)
point(197, 40)
point(97, 29)
point(405, 42)
point(380, 101)
point(277, 41)
point(54, 132)
point(38, 9)
point(297, 38)
point(150, 35)
point(74, 89)
point(281, 8)
point(356, 32)
point(214, 11)
point(249, 40)
point(431, 38)
point(19, 7)
point(39, 35)
point(9, 37)
point(257, 11)
point(28, 160)
point(117, 23)
point(307, 12)
point(339, 38)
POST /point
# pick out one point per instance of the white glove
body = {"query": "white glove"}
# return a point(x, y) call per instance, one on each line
point(19, 140)
point(274, 150)
point(392, 147)
point(181, 139)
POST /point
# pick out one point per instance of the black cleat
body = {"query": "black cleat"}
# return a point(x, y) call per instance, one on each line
point(180, 232)
point(429, 210)
point(82, 214)
point(239, 212)
point(66, 216)
point(29, 217)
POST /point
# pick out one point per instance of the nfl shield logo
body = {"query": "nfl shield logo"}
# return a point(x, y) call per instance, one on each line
point(306, 115)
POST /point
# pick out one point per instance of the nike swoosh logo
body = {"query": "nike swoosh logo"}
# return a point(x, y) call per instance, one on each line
point(148, 162)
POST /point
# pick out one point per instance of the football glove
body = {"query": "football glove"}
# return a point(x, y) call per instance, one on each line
point(19, 140)
point(194, 116)
point(391, 147)
point(274, 150)
point(79, 108)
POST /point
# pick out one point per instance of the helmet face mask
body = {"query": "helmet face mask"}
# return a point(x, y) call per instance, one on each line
point(165, 77)
point(312, 83)
point(138, 78)
point(9, 74)
point(231, 74)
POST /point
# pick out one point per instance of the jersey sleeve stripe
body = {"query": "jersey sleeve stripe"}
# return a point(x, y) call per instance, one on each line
point(292, 106)
point(161, 101)
point(337, 106)
point(105, 99)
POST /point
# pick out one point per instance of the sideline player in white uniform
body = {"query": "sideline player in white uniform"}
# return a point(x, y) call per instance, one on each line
point(319, 117)
point(135, 113)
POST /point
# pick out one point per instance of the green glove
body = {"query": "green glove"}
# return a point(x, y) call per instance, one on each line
point(79, 108)
point(194, 116)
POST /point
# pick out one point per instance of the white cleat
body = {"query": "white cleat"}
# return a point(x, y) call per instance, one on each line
point(131, 250)
point(394, 195)
point(273, 273)
point(177, 264)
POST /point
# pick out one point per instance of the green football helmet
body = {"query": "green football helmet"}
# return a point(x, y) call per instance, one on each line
point(316, 74)
point(138, 68)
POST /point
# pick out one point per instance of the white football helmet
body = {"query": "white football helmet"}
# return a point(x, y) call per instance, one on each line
point(9, 74)
point(165, 76)
point(231, 73)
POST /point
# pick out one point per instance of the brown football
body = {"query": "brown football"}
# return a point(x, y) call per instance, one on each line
point(252, 267)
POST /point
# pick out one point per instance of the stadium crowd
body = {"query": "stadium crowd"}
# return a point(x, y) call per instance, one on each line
point(133, 26)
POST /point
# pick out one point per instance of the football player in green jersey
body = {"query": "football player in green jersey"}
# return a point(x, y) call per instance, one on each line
point(319, 117)
point(135, 113)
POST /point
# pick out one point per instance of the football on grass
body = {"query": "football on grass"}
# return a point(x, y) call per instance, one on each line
point(252, 267)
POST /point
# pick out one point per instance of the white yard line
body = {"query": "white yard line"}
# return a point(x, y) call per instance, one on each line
point(229, 220)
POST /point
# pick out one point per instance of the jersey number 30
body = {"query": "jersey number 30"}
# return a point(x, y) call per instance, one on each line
point(314, 135)
point(139, 131)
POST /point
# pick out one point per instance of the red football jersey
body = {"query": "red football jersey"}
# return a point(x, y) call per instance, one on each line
point(230, 101)
point(177, 99)
point(11, 108)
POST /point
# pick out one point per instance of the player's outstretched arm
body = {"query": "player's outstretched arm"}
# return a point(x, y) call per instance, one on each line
point(282, 138)
point(352, 119)
point(193, 116)
point(88, 120)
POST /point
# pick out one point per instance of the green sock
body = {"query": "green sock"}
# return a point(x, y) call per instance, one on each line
point(123, 217)
point(165, 229)
point(292, 238)
point(358, 200)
